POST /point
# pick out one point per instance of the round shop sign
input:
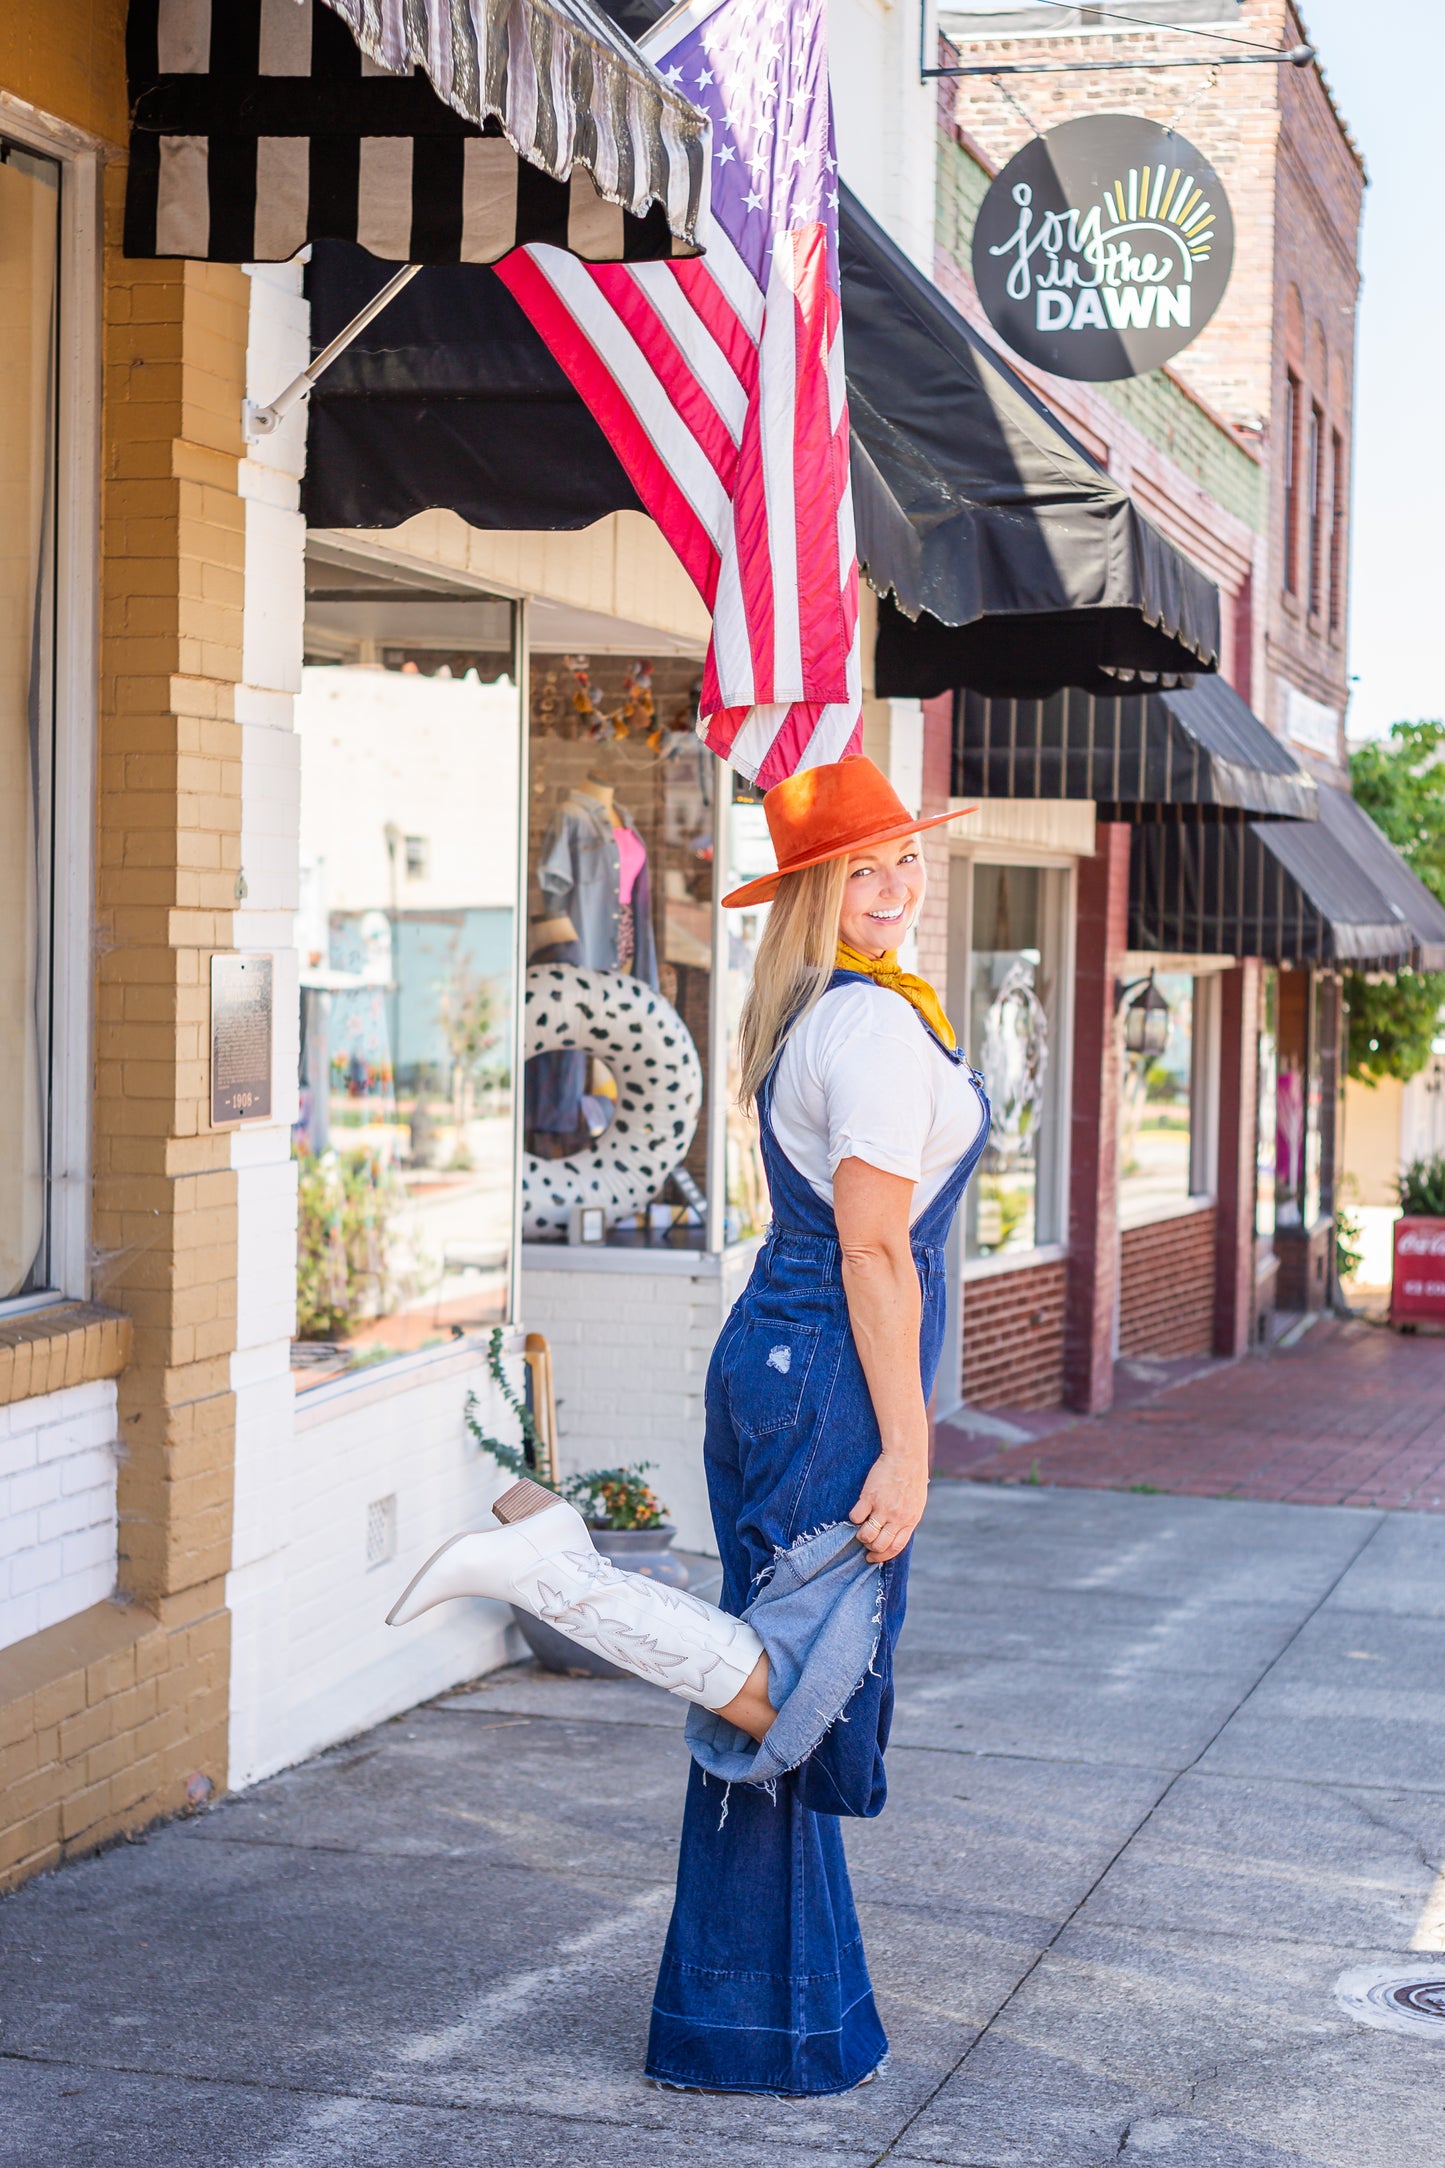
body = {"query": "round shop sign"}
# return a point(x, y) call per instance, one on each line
point(1103, 248)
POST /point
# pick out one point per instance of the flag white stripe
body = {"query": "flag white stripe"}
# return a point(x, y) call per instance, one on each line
point(634, 377)
point(732, 648)
point(735, 282)
point(705, 359)
point(777, 417)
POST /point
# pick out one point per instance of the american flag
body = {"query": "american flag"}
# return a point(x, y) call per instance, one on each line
point(719, 384)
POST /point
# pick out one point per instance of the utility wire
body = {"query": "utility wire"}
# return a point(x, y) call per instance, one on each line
point(1086, 9)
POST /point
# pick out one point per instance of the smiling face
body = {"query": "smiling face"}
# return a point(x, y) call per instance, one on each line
point(881, 896)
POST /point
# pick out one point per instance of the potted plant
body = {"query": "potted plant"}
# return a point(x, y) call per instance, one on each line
point(1417, 1283)
point(623, 1515)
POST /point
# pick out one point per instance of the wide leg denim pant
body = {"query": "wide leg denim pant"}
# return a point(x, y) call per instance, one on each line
point(763, 1985)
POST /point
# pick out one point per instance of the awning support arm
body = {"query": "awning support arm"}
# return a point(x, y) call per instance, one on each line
point(263, 421)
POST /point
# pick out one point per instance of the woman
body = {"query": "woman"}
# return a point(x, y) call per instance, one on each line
point(817, 1463)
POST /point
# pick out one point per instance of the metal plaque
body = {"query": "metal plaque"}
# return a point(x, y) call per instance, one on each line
point(241, 1032)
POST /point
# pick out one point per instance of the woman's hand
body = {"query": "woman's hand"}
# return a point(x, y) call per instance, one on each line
point(891, 1502)
point(885, 1308)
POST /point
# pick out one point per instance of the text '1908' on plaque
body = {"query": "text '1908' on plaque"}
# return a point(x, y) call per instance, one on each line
point(241, 1014)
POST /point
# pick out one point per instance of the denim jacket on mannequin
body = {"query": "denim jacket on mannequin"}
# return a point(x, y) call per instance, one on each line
point(580, 876)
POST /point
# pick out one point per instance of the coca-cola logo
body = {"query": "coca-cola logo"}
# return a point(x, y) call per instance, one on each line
point(1416, 1240)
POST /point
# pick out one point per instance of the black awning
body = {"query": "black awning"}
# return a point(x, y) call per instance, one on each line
point(1287, 891)
point(1032, 568)
point(1403, 890)
point(451, 399)
point(1139, 757)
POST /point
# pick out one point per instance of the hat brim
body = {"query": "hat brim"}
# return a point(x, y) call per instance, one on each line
point(765, 888)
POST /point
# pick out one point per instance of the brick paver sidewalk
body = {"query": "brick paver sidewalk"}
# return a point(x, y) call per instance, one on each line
point(1353, 1415)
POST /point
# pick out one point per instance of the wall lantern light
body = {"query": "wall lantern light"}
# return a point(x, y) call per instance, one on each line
point(1146, 1018)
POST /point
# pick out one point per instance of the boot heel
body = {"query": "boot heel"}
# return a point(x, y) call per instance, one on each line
point(522, 1501)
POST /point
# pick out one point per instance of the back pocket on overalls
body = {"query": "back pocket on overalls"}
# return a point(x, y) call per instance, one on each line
point(766, 1372)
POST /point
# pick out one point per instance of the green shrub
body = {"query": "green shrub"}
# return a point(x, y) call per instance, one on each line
point(345, 1208)
point(1422, 1188)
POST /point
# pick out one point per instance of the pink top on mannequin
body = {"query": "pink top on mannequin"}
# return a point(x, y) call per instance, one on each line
point(632, 857)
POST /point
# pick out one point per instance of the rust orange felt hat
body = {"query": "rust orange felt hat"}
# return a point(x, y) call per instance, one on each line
point(830, 812)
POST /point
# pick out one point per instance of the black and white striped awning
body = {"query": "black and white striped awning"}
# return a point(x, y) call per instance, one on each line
point(428, 131)
point(1329, 891)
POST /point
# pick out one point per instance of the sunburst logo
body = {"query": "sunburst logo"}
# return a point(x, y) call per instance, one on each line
point(1161, 196)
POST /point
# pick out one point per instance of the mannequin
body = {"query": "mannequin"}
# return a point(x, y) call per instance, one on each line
point(596, 911)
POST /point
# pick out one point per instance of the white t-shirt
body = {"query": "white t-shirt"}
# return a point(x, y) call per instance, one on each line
point(861, 1077)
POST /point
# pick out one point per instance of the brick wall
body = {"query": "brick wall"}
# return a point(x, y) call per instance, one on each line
point(57, 1507)
point(1166, 1290)
point(118, 1715)
point(1013, 1337)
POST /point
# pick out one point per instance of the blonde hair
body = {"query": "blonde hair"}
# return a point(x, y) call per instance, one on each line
point(794, 963)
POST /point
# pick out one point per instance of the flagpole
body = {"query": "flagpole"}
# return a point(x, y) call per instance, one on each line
point(263, 421)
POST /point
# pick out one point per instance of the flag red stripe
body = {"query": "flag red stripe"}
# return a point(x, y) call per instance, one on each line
point(822, 636)
point(691, 403)
point(644, 465)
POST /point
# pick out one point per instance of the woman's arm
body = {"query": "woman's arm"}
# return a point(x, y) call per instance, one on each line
point(885, 1309)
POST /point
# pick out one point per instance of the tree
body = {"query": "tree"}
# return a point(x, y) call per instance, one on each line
point(1400, 782)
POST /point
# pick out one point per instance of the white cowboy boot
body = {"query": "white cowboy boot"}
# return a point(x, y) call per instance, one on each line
point(543, 1560)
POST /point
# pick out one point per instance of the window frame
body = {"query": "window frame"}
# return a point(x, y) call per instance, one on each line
point(1314, 524)
point(1061, 914)
point(73, 771)
point(1337, 533)
point(1290, 477)
point(1207, 973)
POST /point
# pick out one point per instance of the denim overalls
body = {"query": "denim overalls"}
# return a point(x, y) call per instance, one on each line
point(763, 1985)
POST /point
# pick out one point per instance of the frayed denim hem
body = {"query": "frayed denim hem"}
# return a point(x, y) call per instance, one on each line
point(819, 1616)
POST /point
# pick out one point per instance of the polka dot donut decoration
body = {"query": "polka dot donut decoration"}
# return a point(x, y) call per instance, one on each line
point(650, 1052)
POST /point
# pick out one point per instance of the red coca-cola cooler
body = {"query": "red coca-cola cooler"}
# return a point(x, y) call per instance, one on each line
point(1417, 1286)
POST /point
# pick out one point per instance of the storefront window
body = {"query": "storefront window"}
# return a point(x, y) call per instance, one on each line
point(750, 853)
point(1264, 1187)
point(1012, 1035)
point(410, 741)
point(29, 224)
point(1157, 1155)
point(1297, 1108)
point(621, 825)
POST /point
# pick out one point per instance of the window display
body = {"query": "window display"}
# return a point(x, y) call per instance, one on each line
point(1264, 1181)
point(619, 949)
point(1012, 1035)
point(1297, 1102)
point(409, 729)
point(30, 223)
point(750, 853)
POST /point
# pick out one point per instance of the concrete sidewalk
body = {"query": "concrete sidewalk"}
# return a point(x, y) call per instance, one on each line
point(1163, 1770)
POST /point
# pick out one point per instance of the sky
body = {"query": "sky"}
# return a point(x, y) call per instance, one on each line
point(1385, 62)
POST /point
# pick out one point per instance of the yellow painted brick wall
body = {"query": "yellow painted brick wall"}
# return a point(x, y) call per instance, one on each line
point(116, 1717)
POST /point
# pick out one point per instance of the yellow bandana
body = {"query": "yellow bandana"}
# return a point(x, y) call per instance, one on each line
point(884, 971)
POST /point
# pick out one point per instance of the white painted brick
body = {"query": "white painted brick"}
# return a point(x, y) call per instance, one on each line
point(57, 1507)
point(36, 1568)
point(90, 1547)
point(19, 1532)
